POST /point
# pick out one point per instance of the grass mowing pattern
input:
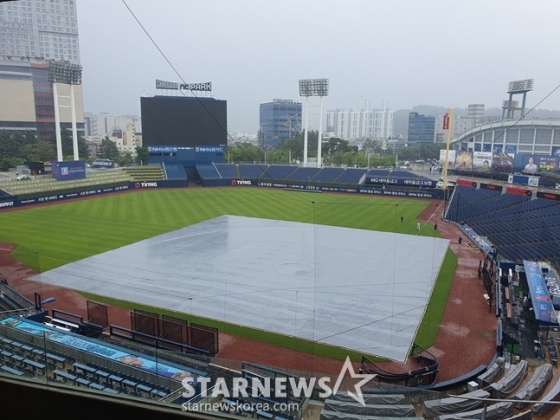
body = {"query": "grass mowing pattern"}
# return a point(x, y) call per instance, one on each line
point(51, 236)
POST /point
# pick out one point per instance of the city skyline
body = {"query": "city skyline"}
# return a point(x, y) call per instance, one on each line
point(406, 53)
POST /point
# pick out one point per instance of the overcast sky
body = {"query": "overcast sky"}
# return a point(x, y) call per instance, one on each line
point(407, 52)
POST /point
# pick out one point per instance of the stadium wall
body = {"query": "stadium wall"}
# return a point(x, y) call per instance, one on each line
point(9, 201)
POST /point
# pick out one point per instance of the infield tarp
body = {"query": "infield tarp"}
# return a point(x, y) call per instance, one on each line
point(352, 288)
point(450, 405)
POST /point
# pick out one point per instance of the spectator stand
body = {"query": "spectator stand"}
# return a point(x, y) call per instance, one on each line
point(78, 361)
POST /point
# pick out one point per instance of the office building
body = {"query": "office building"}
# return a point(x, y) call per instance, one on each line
point(278, 120)
point(31, 33)
point(421, 129)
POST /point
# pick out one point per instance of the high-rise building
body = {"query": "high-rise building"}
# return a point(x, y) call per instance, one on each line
point(39, 29)
point(421, 129)
point(383, 126)
point(279, 119)
point(356, 125)
point(31, 33)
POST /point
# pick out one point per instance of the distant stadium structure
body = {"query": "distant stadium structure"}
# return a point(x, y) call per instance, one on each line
point(531, 136)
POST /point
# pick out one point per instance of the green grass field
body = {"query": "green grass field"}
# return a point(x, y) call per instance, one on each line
point(51, 236)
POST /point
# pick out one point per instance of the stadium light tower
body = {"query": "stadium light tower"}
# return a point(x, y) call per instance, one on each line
point(307, 88)
point(518, 87)
point(69, 74)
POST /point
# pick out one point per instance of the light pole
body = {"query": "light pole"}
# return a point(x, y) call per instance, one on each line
point(307, 88)
point(69, 74)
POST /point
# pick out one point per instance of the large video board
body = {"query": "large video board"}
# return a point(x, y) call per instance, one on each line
point(183, 121)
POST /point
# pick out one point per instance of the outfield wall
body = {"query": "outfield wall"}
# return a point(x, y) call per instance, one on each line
point(7, 201)
point(303, 186)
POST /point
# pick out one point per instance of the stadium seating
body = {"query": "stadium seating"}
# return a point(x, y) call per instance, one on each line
point(227, 170)
point(47, 184)
point(332, 176)
point(520, 227)
point(402, 174)
point(27, 355)
point(328, 175)
point(175, 171)
point(278, 172)
point(145, 173)
point(207, 171)
point(351, 176)
point(303, 174)
point(247, 171)
point(379, 172)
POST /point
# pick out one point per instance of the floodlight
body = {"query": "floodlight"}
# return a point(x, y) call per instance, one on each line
point(520, 86)
point(314, 87)
point(321, 87)
point(307, 88)
point(65, 72)
point(517, 87)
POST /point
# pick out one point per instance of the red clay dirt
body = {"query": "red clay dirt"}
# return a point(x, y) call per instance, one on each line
point(466, 336)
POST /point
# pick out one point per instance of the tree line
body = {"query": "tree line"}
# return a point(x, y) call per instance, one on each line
point(335, 151)
point(17, 148)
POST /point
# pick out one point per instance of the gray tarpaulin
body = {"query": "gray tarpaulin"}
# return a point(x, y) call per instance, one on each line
point(510, 381)
point(536, 385)
point(491, 374)
point(493, 412)
point(454, 404)
point(371, 398)
point(333, 415)
point(394, 410)
point(541, 408)
point(350, 288)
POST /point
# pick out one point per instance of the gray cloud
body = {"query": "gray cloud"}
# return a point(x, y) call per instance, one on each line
point(407, 52)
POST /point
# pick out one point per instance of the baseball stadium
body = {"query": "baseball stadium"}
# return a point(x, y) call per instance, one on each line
point(123, 288)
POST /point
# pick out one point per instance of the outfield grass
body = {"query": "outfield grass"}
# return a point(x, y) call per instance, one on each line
point(51, 236)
